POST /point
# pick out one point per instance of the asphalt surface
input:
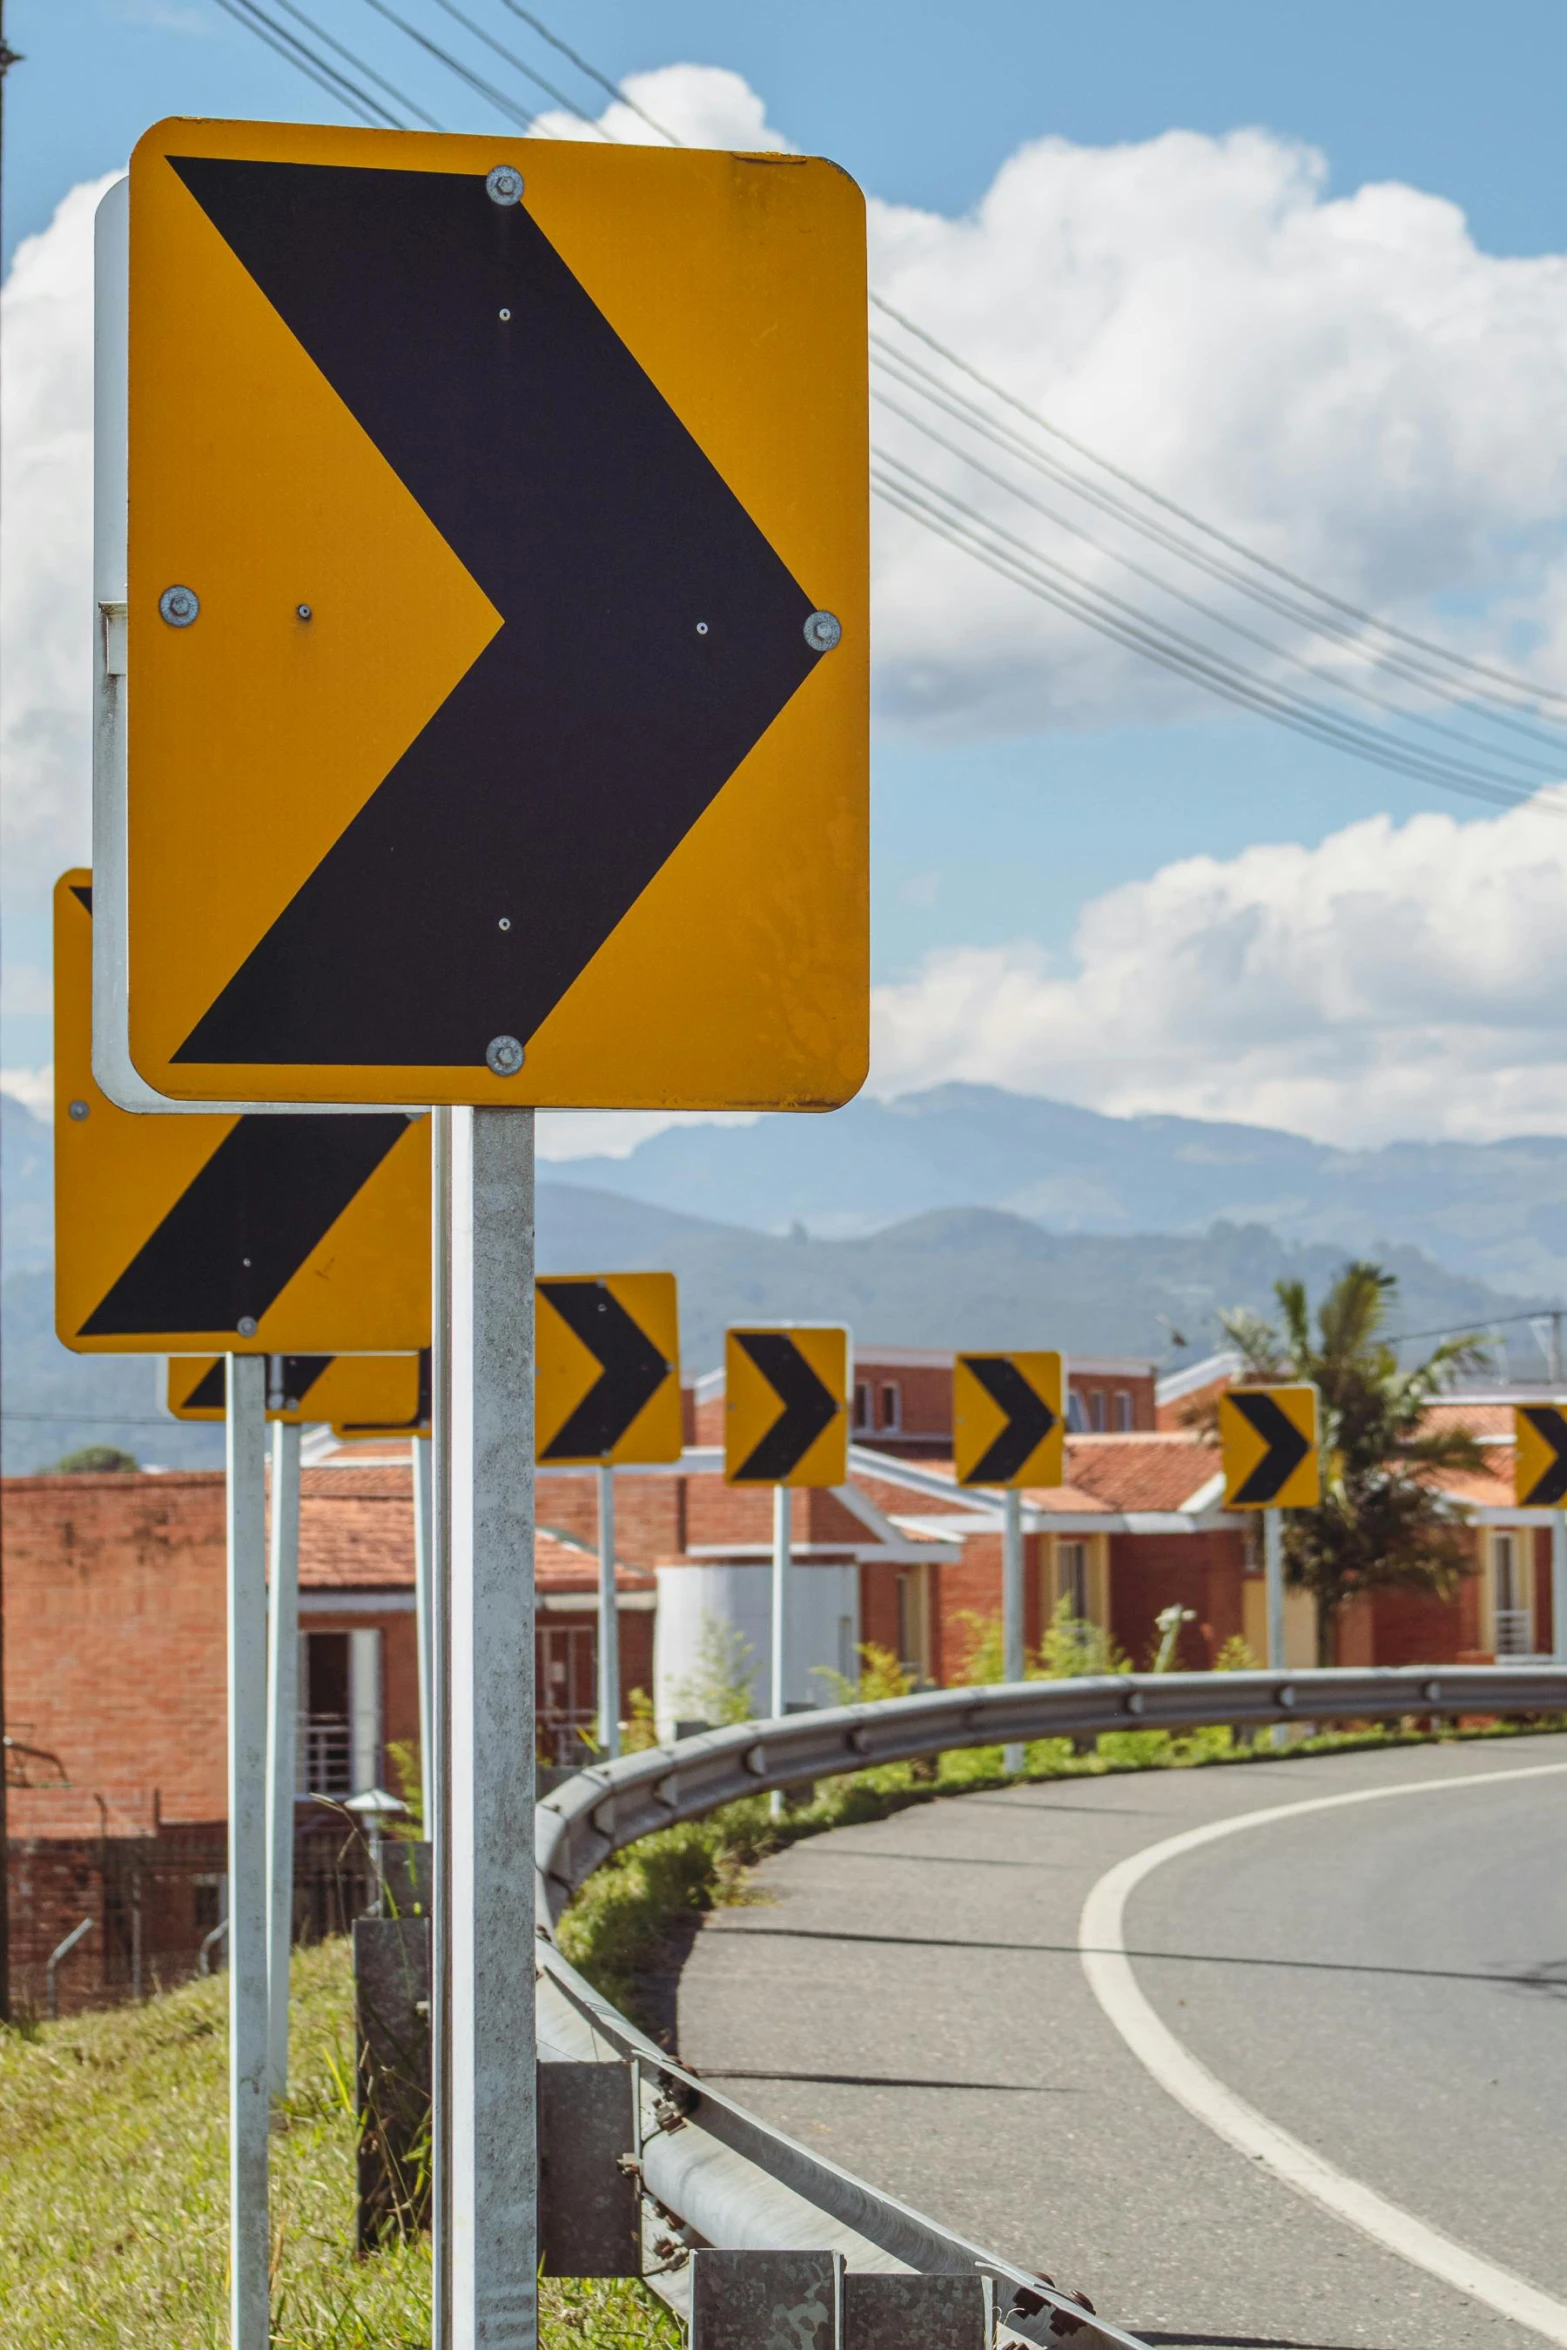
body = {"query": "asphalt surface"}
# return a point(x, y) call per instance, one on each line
point(1387, 1981)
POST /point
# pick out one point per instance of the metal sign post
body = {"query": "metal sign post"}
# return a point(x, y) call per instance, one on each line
point(438, 1770)
point(492, 2089)
point(282, 1733)
point(249, 2233)
point(419, 1457)
point(609, 1618)
point(1013, 1660)
point(1559, 1590)
point(783, 1526)
point(1273, 1567)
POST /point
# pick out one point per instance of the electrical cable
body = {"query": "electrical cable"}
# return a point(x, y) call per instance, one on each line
point(1206, 668)
point(380, 80)
point(297, 53)
point(475, 81)
point(1550, 770)
point(583, 66)
point(1503, 712)
point(1210, 530)
point(527, 71)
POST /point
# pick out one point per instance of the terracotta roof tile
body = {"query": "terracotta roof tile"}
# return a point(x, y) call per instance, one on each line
point(354, 1537)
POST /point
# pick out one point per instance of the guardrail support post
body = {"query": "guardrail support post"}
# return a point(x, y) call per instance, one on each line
point(250, 2323)
point(1014, 1662)
point(282, 1732)
point(891, 2312)
point(743, 2300)
point(494, 2154)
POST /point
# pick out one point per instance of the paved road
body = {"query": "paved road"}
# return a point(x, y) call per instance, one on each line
point(1387, 1981)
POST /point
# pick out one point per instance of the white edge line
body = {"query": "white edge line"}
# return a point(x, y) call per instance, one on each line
point(1102, 1948)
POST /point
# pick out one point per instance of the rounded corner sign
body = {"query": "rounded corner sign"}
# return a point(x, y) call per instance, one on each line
point(498, 610)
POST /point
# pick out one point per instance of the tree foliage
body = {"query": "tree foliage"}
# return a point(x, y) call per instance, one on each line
point(1382, 1521)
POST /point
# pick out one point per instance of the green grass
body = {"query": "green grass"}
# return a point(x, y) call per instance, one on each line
point(114, 2191)
point(618, 1923)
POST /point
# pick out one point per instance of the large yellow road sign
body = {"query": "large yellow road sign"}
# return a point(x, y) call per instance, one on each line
point(362, 1395)
point(607, 1356)
point(498, 613)
point(786, 1412)
point(1268, 1436)
point(251, 1235)
point(1540, 1455)
point(1009, 1419)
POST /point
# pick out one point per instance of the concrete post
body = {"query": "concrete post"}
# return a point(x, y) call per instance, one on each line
point(609, 1618)
point(491, 1722)
point(282, 1734)
point(249, 2292)
point(1013, 1658)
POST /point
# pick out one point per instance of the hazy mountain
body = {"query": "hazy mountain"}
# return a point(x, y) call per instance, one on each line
point(952, 1275)
point(1496, 1211)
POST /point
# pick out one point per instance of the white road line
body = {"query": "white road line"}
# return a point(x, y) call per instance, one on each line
point(1102, 1947)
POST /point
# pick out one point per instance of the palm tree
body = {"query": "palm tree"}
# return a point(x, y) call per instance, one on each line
point(1381, 1521)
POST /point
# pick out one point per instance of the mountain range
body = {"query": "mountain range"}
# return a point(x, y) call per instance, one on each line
point(948, 1274)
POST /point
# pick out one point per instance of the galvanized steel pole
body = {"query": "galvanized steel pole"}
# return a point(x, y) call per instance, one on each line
point(783, 1530)
point(438, 1765)
point(419, 1455)
point(1273, 1568)
point(1559, 1588)
point(493, 2143)
point(609, 1619)
point(282, 1734)
point(249, 2312)
point(1013, 1659)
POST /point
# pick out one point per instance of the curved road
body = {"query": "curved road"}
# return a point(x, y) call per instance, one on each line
point(1386, 1981)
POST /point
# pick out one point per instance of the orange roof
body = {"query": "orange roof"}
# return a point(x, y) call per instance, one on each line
point(356, 1534)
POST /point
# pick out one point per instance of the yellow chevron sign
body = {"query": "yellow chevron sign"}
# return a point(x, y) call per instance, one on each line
point(1540, 1455)
point(607, 1368)
point(357, 1395)
point(786, 1412)
point(1009, 1419)
point(252, 1235)
point(1268, 1437)
point(498, 608)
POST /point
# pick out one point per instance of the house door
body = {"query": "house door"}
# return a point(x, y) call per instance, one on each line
point(567, 1657)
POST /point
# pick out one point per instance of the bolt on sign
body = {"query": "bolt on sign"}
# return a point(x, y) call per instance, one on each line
point(1009, 1419)
point(498, 614)
point(380, 1395)
point(250, 1235)
point(786, 1411)
point(1540, 1455)
point(607, 1368)
point(1268, 1437)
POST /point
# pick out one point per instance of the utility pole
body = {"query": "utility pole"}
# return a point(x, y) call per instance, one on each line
point(8, 58)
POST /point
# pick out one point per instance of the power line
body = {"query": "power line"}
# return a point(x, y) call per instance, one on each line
point(380, 80)
point(475, 81)
point(1210, 530)
point(583, 66)
point(297, 53)
point(526, 71)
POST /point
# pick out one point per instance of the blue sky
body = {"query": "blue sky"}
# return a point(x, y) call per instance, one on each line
point(1041, 781)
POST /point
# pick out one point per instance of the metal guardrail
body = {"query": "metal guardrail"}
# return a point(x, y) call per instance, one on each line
point(728, 2178)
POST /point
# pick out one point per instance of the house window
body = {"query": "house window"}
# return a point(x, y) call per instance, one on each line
point(1072, 1579)
point(1514, 1615)
point(1075, 1421)
point(566, 1661)
point(1123, 1411)
point(913, 1655)
point(891, 1413)
point(1096, 1411)
point(339, 1739)
point(862, 1407)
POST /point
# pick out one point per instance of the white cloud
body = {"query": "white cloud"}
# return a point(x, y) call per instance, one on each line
point(46, 318)
point(1395, 980)
point(703, 105)
point(34, 1088)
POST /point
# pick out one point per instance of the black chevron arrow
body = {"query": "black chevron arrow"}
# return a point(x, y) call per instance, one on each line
point(633, 1370)
point(651, 635)
point(1287, 1448)
point(1550, 1487)
point(211, 1391)
point(809, 1407)
point(1029, 1419)
point(242, 1228)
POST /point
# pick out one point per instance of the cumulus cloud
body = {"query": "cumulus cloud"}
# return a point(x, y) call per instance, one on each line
point(701, 105)
point(46, 320)
point(1397, 979)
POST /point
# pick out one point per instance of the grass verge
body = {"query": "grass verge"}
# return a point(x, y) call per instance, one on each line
point(114, 2191)
point(618, 1926)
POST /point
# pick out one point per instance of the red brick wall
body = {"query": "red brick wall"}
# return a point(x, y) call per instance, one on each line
point(649, 1513)
point(115, 1638)
point(1149, 1572)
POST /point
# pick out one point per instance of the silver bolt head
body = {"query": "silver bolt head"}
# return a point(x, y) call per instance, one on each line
point(504, 1054)
point(304, 611)
point(78, 1110)
point(822, 631)
point(179, 606)
point(247, 1325)
point(503, 185)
